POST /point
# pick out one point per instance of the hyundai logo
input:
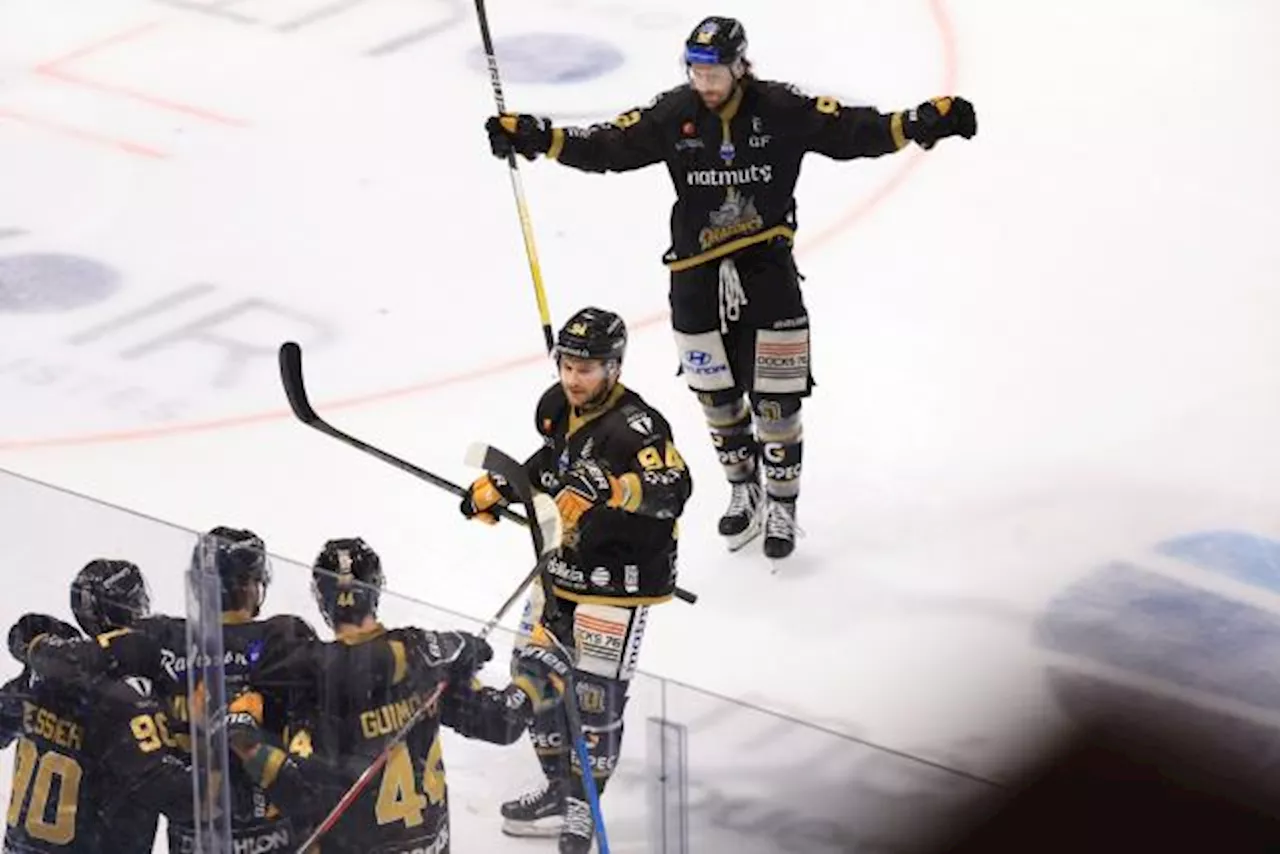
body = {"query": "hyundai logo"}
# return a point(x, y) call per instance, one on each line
point(698, 358)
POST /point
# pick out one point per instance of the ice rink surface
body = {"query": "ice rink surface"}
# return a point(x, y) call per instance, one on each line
point(1042, 448)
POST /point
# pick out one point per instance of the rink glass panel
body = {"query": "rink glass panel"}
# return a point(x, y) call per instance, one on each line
point(698, 772)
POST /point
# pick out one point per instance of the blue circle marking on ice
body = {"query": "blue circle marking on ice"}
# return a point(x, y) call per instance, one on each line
point(557, 58)
point(48, 282)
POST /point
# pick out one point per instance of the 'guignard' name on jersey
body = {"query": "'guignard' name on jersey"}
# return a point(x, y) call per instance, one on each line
point(387, 720)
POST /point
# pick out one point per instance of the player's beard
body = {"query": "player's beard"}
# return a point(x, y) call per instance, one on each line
point(585, 396)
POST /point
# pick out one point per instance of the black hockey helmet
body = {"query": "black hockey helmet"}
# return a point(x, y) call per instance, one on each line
point(593, 333)
point(346, 581)
point(239, 556)
point(716, 41)
point(109, 594)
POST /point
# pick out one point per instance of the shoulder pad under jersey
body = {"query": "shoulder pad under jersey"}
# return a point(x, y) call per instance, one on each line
point(551, 410)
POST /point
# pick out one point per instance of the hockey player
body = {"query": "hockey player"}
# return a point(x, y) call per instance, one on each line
point(93, 766)
point(156, 647)
point(611, 463)
point(733, 145)
point(351, 696)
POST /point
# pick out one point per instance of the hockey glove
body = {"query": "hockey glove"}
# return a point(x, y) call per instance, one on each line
point(260, 760)
point(31, 627)
point(475, 653)
point(244, 722)
point(526, 135)
point(938, 118)
point(540, 673)
point(461, 653)
point(487, 492)
point(589, 484)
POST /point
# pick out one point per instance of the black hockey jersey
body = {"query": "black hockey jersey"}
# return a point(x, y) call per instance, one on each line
point(349, 699)
point(735, 169)
point(156, 648)
point(93, 766)
point(623, 555)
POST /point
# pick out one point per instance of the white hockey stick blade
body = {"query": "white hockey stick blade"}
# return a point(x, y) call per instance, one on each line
point(549, 522)
point(476, 452)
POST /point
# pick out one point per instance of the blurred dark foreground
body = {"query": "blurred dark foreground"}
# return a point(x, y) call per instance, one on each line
point(1136, 780)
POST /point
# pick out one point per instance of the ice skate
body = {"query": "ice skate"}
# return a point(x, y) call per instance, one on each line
point(539, 813)
point(780, 528)
point(742, 521)
point(579, 828)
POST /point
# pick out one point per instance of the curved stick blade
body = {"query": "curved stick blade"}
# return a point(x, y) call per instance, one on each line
point(294, 389)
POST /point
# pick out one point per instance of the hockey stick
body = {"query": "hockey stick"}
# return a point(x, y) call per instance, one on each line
point(350, 795)
point(295, 390)
point(548, 531)
point(491, 459)
point(517, 188)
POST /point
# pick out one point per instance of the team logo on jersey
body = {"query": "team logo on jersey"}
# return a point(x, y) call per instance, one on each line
point(641, 423)
point(689, 139)
point(735, 217)
point(141, 684)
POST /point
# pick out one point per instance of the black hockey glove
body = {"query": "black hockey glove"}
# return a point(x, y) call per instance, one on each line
point(938, 118)
point(31, 626)
point(461, 653)
point(526, 135)
point(484, 494)
point(540, 673)
point(474, 654)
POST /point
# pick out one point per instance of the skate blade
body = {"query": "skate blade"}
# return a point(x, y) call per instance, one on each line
point(737, 541)
point(543, 828)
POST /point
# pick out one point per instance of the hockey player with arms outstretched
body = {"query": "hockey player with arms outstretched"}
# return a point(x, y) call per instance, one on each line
point(94, 762)
point(733, 145)
point(611, 463)
point(156, 647)
point(350, 697)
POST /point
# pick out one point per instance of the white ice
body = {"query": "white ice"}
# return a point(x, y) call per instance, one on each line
point(1035, 351)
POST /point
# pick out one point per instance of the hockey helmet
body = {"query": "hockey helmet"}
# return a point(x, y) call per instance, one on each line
point(109, 594)
point(716, 41)
point(593, 333)
point(346, 581)
point(239, 557)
